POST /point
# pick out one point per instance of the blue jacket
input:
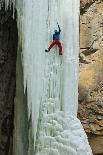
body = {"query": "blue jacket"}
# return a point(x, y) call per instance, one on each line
point(56, 35)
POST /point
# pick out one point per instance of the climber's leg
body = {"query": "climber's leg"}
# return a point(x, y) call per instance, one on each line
point(60, 47)
point(54, 42)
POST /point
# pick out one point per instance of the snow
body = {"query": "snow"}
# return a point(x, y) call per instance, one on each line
point(51, 80)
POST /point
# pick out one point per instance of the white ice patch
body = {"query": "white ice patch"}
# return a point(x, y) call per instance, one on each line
point(61, 134)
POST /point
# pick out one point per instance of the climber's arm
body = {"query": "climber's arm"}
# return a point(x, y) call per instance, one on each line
point(59, 28)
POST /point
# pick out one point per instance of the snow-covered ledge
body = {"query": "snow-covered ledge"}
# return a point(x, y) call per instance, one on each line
point(51, 80)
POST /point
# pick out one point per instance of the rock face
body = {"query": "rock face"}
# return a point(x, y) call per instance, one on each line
point(91, 72)
point(8, 50)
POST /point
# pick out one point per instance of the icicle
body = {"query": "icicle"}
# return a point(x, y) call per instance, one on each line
point(8, 5)
point(1, 4)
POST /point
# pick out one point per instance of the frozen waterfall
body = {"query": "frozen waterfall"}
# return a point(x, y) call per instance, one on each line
point(51, 80)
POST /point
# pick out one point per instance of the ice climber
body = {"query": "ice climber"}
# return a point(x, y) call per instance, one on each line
point(56, 41)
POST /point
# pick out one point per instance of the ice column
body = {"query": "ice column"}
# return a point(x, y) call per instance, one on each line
point(52, 80)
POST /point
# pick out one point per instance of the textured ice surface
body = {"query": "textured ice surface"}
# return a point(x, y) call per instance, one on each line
point(61, 134)
point(51, 80)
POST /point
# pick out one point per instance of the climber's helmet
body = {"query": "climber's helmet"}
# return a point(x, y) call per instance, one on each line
point(55, 31)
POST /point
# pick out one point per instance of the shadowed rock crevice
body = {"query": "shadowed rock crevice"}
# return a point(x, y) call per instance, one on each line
point(8, 52)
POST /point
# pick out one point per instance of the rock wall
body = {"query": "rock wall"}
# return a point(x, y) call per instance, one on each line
point(91, 72)
point(8, 50)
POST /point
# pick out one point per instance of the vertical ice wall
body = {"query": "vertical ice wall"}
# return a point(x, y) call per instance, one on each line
point(51, 80)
